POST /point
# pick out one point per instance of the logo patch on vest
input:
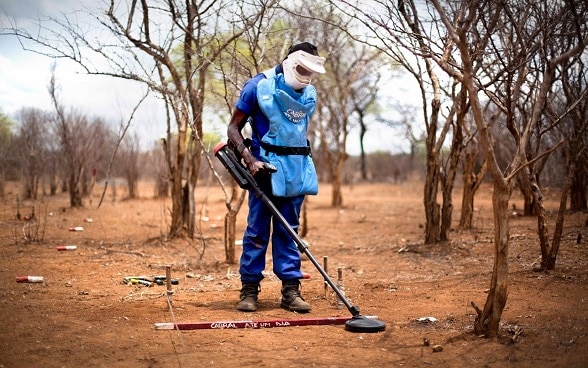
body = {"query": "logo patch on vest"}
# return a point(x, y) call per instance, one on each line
point(294, 116)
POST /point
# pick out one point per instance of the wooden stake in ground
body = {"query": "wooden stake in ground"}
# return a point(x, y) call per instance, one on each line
point(168, 282)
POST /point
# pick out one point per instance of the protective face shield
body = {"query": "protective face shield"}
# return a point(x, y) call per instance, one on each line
point(300, 67)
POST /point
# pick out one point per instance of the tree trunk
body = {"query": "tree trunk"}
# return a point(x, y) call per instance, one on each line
point(467, 207)
point(53, 184)
point(75, 192)
point(578, 192)
point(196, 97)
point(447, 206)
point(194, 160)
point(161, 186)
point(446, 214)
point(549, 264)
point(549, 253)
point(230, 238)
point(541, 223)
point(469, 182)
point(336, 194)
point(233, 203)
point(432, 208)
point(177, 190)
point(524, 181)
point(131, 180)
point(303, 228)
point(363, 167)
point(488, 320)
point(450, 172)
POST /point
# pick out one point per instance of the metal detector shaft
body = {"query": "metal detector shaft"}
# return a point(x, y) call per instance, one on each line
point(304, 249)
point(245, 180)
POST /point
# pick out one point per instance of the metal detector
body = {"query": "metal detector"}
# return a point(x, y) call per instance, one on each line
point(232, 162)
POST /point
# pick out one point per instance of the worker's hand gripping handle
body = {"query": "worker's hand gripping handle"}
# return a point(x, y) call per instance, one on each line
point(235, 166)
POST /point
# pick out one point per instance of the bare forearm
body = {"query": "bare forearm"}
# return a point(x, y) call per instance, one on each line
point(238, 121)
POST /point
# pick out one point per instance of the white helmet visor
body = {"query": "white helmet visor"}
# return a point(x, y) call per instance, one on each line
point(303, 66)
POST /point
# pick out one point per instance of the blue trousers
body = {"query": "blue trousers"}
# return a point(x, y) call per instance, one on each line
point(260, 225)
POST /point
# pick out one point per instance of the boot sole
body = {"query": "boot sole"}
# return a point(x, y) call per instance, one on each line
point(246, 310)
point(298, 310)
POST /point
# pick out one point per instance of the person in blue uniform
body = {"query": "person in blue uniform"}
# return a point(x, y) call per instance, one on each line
point(278, 104)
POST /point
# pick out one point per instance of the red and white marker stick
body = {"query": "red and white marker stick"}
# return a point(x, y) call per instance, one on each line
point(224, 325)
point(76, 228)
point(32, 279)
point(67, 247)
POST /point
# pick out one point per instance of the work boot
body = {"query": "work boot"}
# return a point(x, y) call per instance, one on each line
point(248, 302)
point(291, 298)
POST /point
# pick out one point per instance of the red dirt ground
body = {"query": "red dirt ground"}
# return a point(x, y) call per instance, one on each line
point(84, 316)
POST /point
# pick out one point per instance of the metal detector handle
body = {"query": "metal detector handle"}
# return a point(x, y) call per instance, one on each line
point(234, 166)
point(237, 169)
point(269, 167)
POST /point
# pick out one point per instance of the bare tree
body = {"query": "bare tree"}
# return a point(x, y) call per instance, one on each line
point(81, 143)
point(473, 173)
point(489, 48)
point(364, 98)
point(129, 163)
point(404, 122)
point(521, 24)
point(262, 46)
point(399, 32)
point(168, 46)
point(156, 157)
point(6, 149)
point(574, 86)
point(455, 120)
point(348, 87)
point(32, 146)
point(342, 94)
point(573, 133)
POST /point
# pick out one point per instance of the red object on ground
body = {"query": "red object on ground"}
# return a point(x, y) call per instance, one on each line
point(223, 325)
point(34, 279)
point(66, 247)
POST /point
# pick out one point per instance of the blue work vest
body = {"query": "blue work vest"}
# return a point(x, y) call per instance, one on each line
point(285, 144)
